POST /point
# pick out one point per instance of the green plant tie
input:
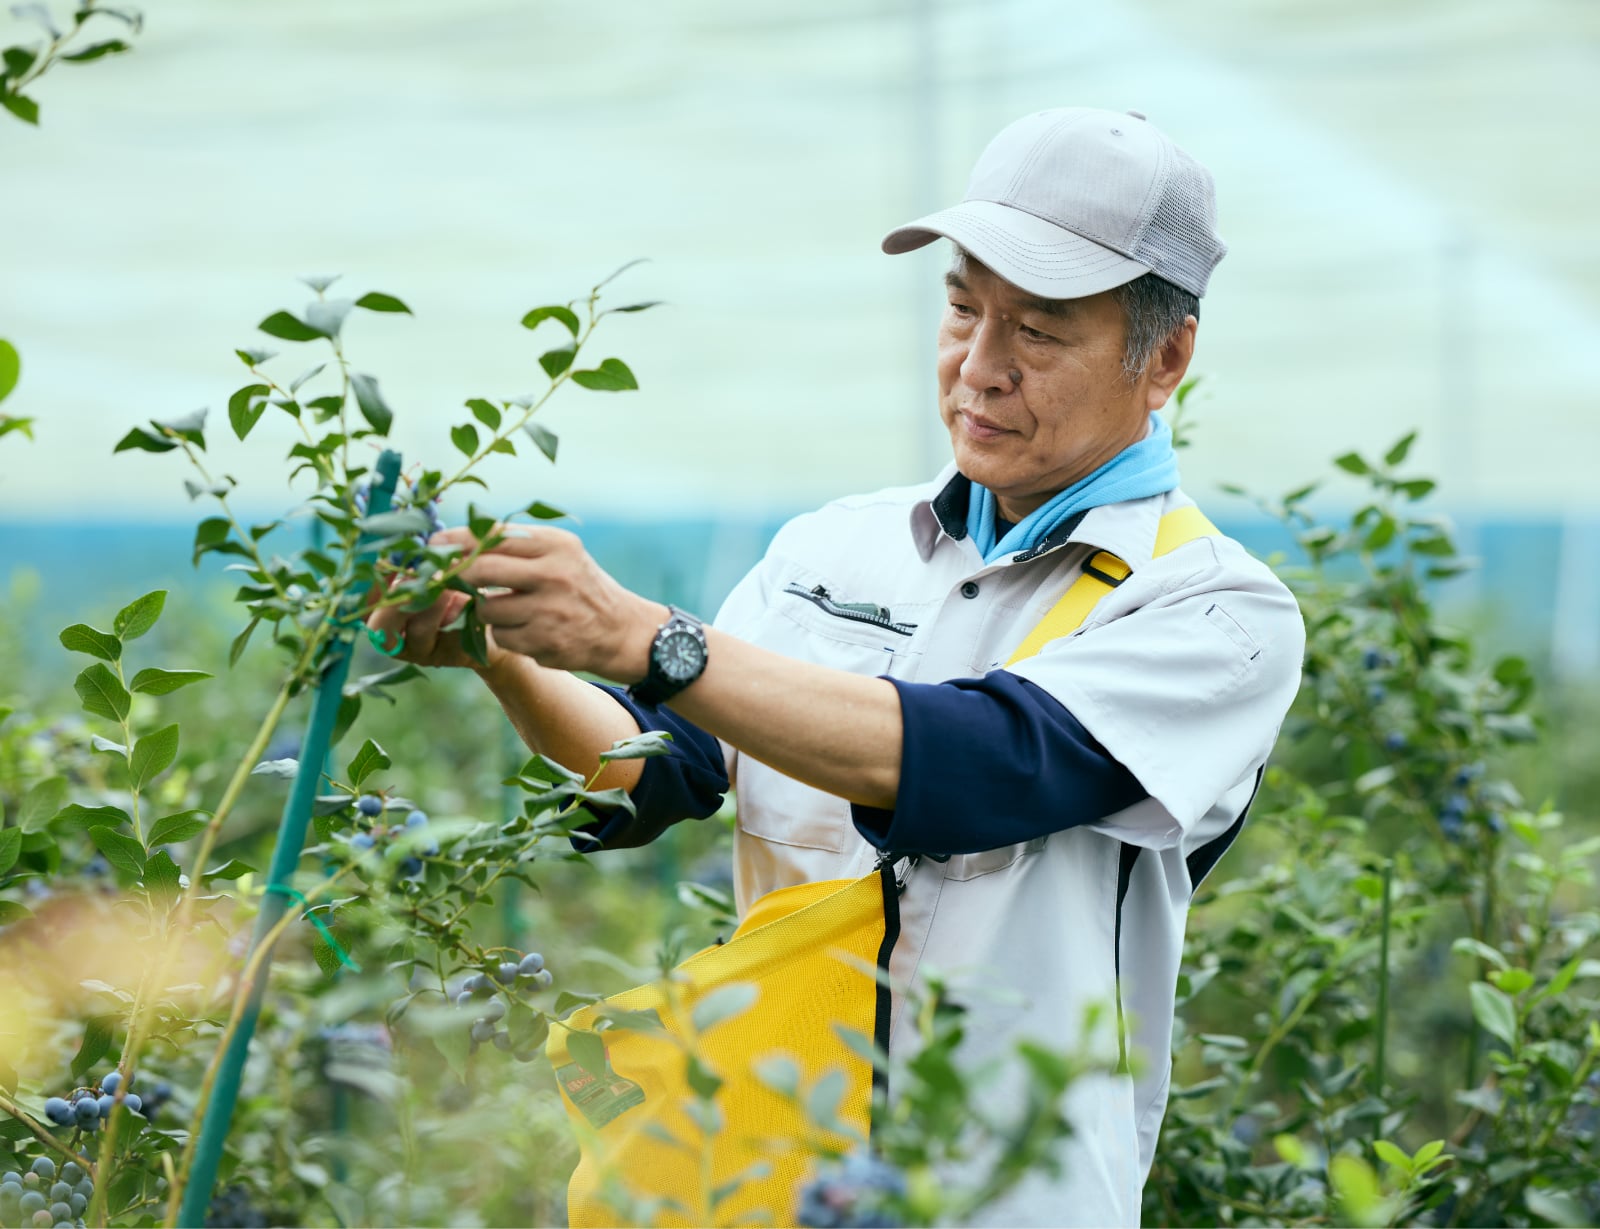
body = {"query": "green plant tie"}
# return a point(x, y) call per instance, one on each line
point(284, 889)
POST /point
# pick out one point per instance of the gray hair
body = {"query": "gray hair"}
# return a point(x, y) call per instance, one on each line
point(1154, 310)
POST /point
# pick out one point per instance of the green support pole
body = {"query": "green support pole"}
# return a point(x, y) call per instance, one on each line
point(285, 857)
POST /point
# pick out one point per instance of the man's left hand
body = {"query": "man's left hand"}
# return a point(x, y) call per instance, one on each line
point(559, 607)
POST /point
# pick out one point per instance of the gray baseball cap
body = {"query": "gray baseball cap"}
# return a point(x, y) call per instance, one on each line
point(1072, 201)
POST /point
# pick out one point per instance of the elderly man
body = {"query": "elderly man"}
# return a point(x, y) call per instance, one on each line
point(853, 684)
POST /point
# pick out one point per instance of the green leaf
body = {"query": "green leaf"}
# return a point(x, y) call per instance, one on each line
point(465, 438)
point(102, 695)
point(144, 441)
point(81, 638)
point(320, 281)
point(161, 877)
point(370, 759)
point(544, 511)
point(95, 50)
point(152, 755)
point(326, 316)
point(246, 407)
point(589, 1052)
point(618, 272)
point(17, 60)
point(236, 649)
point(822, 1102)
point(231, 869)
point(79, 816)
point(1351, 462)
point(394, 524)
point(485, 412)
point(1557, 1207)
point(309, 374)
point(1392, 1155)
point(25, 109)
point(1398, 453)
point(154, 682)
point(96, 1044)
point(724, 1003)
point(543, 437)
point(1512, 981)
point(372, 405)
point(649, 303)
point(1495, 1012)
point(377, 301)
point(282, 324)
point(190, 426)
point(564, 314)
point(1476, 947)
point(10, 848)
point(139, 615)
point(779, 1073)
point(611, 376)
point(121, 850)
point(1427, 1153)
point(254, 358)
point(703, 1081)
point(10, 368)
point(40, 804)
point(643, 746)
point(177, 828)
point(558, 360)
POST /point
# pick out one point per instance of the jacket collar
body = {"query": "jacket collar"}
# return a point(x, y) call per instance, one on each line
point(1127, 530)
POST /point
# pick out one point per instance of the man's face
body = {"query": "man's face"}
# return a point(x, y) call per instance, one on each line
point(1072, 409)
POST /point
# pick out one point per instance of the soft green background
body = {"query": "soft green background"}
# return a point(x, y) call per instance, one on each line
point(1405, 188)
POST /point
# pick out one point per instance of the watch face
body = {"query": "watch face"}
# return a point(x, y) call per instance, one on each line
point(680, 656)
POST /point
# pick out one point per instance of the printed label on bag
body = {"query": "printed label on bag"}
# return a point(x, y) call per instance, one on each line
point(601, 1098)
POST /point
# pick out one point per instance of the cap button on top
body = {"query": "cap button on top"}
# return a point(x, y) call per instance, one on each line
point(969, 589)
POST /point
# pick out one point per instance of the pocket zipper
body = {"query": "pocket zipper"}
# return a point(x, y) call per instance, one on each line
point(859, 612)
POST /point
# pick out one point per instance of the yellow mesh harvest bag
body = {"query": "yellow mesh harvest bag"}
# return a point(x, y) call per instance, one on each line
point(807, 950)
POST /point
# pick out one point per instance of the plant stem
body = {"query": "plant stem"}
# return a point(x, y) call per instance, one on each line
point(1379, 1079)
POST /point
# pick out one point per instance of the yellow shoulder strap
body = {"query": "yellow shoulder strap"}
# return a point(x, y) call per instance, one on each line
point(1103, 573)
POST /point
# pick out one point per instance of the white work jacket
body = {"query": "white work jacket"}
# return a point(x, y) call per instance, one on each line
point(1183, 673)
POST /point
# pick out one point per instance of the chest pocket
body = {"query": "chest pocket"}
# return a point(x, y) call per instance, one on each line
point(971, 865)
point(816, 623)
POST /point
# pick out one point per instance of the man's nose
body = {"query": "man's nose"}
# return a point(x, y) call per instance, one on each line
point(987, 366)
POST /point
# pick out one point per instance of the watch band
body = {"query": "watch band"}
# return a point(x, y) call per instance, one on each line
point(658, 686)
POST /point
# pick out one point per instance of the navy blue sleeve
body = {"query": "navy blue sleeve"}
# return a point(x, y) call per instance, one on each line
point(688, 784)
point(992, 761)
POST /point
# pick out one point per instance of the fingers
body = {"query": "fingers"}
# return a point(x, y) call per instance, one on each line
point(528, 541)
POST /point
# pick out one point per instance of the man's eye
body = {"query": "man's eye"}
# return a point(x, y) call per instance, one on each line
point(1035, 334)
point(961, 309)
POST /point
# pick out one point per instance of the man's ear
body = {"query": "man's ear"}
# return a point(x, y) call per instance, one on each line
point(1169, 364)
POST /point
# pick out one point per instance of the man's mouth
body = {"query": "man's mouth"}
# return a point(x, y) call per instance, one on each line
point(980, 428)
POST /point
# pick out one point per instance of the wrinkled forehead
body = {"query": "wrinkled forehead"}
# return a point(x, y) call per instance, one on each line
point(972, 275)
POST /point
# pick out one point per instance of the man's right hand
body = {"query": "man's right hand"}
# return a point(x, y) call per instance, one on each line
point(425, 643)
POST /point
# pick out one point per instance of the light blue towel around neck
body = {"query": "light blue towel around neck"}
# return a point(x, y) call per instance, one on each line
point(1147, 468)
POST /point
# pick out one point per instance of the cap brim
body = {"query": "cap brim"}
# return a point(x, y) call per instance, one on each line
point(1037, 256)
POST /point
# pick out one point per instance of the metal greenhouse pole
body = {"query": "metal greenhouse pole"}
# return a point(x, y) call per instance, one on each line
point(275, 900)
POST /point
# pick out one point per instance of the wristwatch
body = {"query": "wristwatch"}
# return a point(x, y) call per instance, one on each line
point(677, 658)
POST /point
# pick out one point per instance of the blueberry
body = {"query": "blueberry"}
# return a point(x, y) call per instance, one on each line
point(411, 867)
point(72, 1172)
point(1497, 823)
point(532, 964)
point(1376, 693)
point(478, 984)
point(494, 1009)
point(363, 841)
point(1372, 659)
point(502, 1040)
point(106, 1104)
point(543, 979)
point(131, 1100)
point(1394, 741)
point(507, 972)
point(32, 1201)
point(11, 1178)
point(463, 998)
point(370, 805)
point(61, 1210)
point(1452, 826)
point(415, 819)
point(1456, 805)
point(30, 1180)
point(85, 1188)
point(1467, 774)
point(60, 1193)
point(42, 1219)
point(77, 1203)
point(482, 1030)
point(58, 1111)
point(44, 1167)
point(111, 1083)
